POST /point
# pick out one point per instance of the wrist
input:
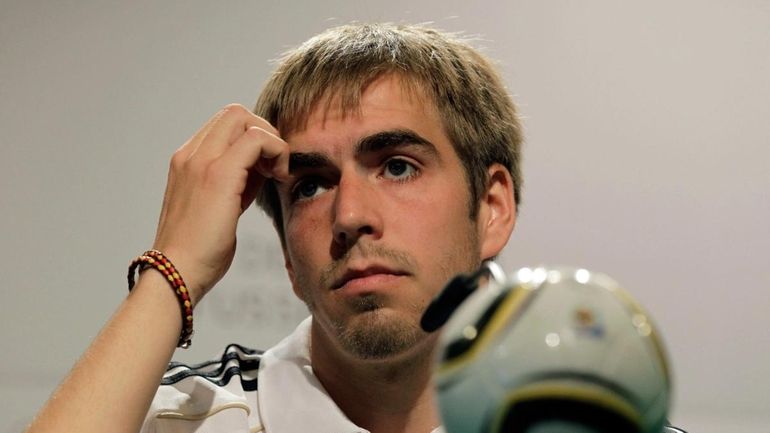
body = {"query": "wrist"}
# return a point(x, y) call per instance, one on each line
point(195, 275)
point(156, 261)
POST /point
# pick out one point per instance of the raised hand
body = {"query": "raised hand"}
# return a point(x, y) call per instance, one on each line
point(212, 179)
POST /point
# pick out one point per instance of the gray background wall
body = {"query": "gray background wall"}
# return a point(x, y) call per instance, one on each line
point(647, 158)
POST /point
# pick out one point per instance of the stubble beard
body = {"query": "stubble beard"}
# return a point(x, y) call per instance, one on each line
point(374, 333)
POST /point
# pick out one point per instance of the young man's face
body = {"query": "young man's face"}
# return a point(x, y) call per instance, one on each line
point(376, 219)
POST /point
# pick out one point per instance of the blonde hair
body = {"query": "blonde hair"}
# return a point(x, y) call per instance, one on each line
point(337, 65)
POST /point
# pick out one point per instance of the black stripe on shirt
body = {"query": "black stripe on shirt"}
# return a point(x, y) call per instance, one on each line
point(236, 360)
point(230, 353)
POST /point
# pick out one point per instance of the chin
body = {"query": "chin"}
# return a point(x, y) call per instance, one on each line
point(381, 334)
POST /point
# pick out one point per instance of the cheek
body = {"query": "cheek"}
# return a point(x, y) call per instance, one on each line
point(304, 233)
point(440, 226)
point(437, 205)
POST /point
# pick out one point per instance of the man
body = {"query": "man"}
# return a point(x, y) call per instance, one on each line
point(388, 158)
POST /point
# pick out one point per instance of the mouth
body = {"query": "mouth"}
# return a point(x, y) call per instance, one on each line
point(369, 276)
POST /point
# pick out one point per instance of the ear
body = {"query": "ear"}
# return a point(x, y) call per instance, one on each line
point(497, 212)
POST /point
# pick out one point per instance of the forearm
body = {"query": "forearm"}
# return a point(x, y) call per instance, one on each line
point(111, 386)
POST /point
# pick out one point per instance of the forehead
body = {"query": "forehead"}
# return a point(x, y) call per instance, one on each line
point(389, 102)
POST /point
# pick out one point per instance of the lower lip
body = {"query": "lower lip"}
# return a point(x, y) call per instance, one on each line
point(369, 284)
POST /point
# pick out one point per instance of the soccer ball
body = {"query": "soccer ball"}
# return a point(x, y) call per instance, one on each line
point(549, 350)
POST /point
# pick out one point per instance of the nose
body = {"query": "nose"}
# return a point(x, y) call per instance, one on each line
point(357, 211)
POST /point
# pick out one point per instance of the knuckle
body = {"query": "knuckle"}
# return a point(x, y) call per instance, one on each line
point(270, 128)
point(256, 132)
point(178, 160)
point(237, 110)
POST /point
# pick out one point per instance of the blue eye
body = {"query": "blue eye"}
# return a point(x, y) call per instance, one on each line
point(307, 189)
point(399, 169)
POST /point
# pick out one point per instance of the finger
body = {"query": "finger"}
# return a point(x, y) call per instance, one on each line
point(276, 167)
point(258, 149)
point(274, 162)
point(231, 123)
point(253, 151)
point(187, 149)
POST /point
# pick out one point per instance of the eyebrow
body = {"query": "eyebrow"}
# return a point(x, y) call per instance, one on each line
point(305, 160)
point(393, 138)
point(370, 144)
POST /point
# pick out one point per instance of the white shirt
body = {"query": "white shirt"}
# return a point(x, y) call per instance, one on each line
point(249, 392)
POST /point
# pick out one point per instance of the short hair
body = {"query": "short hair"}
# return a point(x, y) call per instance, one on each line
point(478, 115)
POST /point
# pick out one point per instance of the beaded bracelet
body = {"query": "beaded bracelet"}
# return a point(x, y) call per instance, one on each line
point(156, 260)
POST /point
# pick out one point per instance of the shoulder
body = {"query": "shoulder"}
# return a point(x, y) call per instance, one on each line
point(215, 395)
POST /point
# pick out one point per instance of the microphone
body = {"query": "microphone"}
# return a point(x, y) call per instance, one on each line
point(454, 293)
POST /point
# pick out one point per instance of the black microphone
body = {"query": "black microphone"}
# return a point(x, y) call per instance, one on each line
point(454, 293)
point(447, 301)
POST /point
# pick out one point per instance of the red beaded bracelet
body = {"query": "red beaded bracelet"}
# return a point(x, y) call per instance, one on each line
point(155, 259)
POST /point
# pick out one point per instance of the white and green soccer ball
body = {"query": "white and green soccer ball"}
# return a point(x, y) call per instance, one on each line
point(547, 350)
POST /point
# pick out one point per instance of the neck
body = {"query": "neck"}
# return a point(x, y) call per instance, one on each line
point(382, 396)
